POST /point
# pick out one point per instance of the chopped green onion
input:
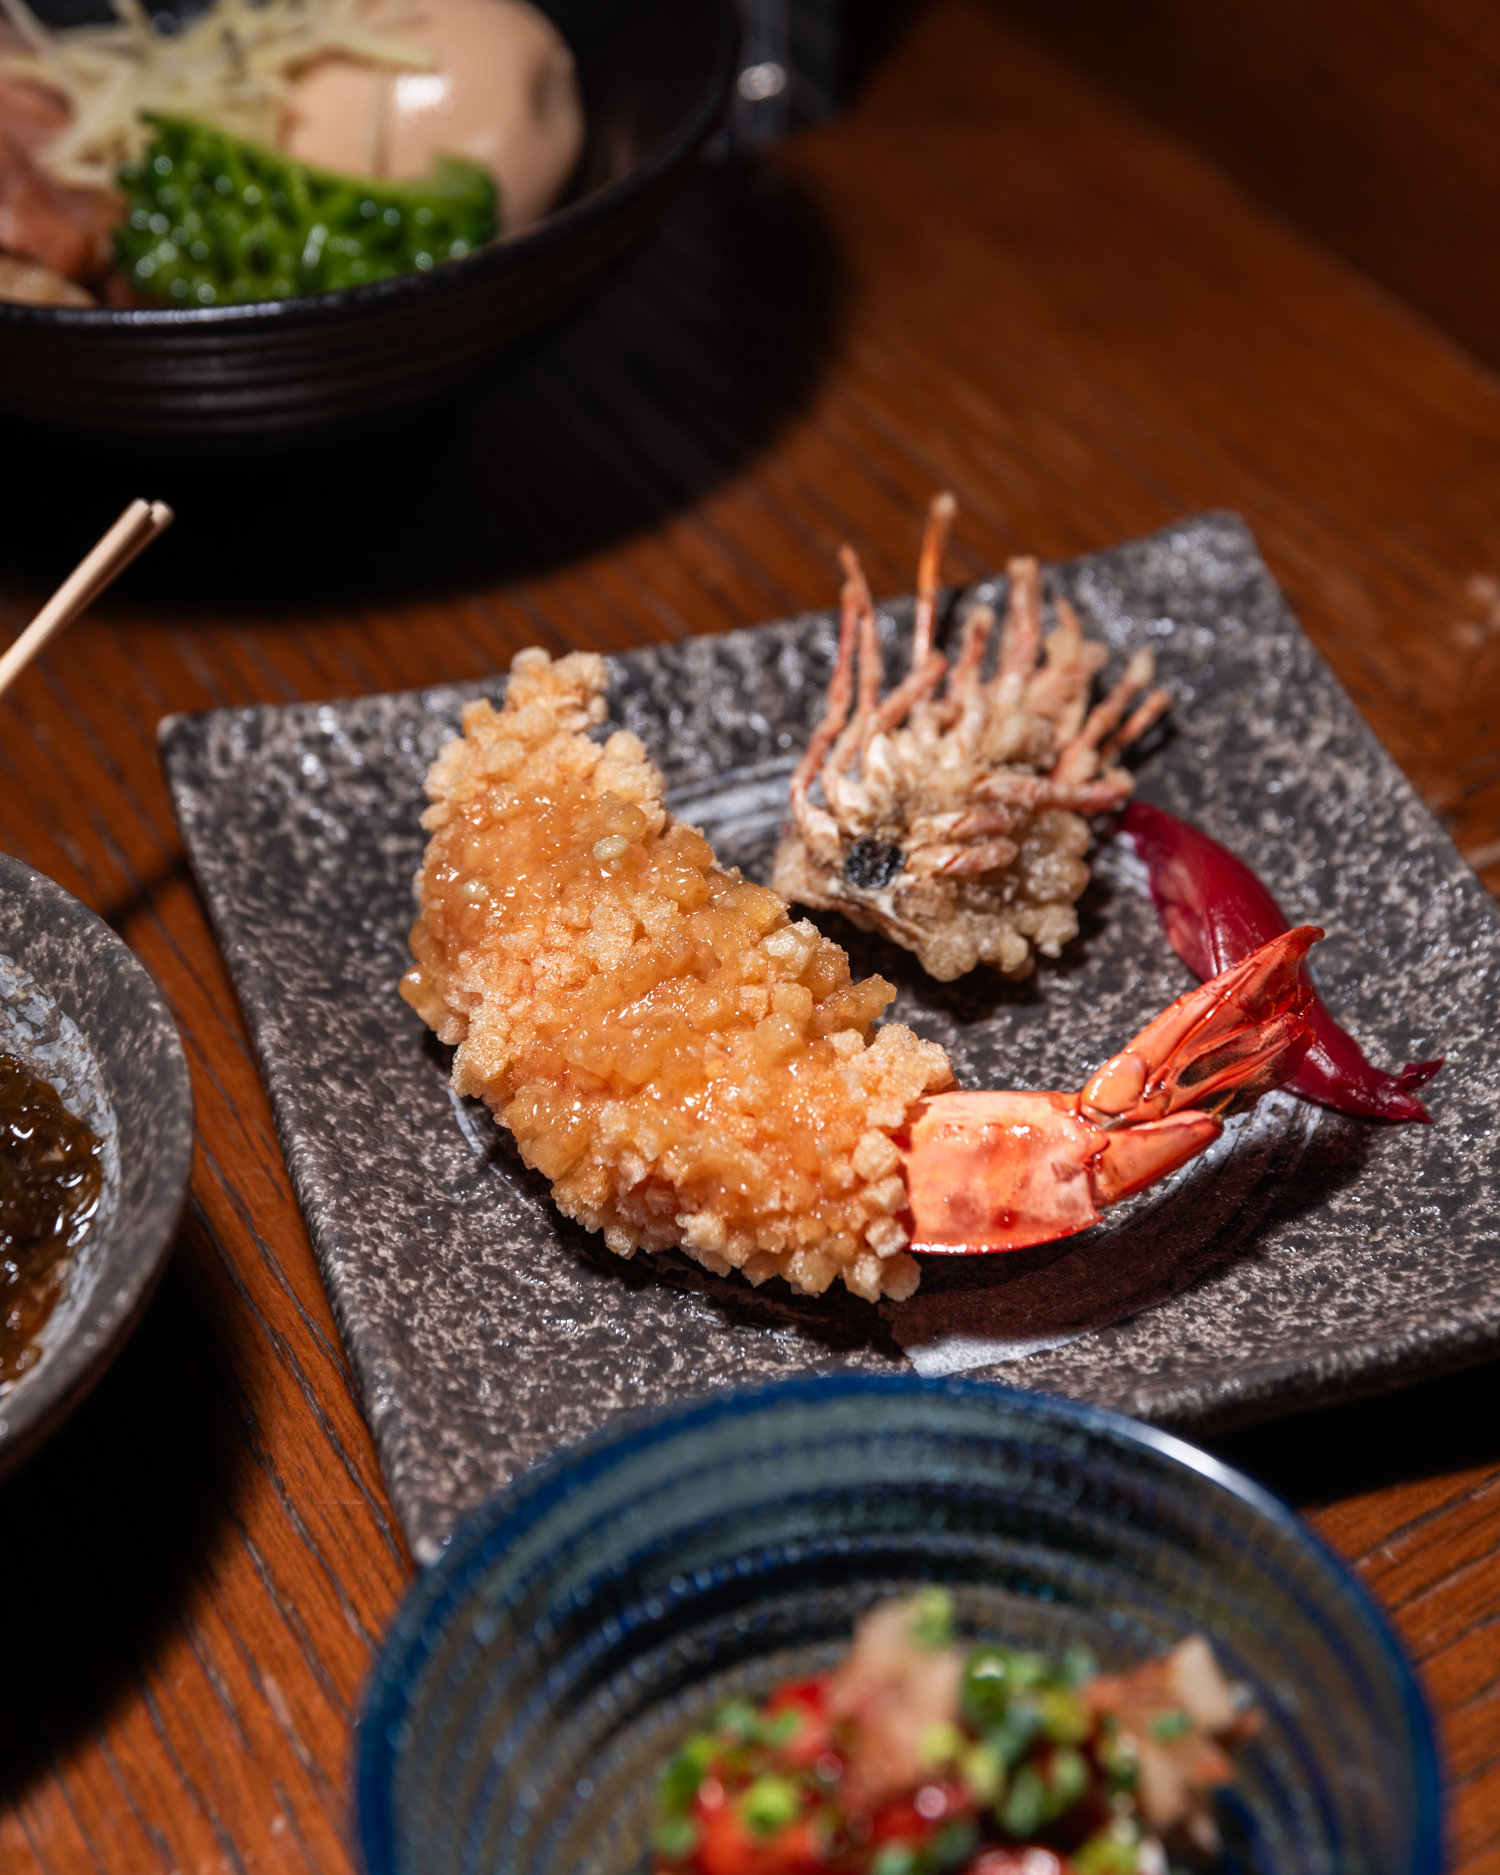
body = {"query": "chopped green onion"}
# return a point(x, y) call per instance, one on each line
point(676, 1838)
point(215, 219)
point(932, 1622)
point(1067, 1779)
point(940, 1744)
point(769, 1805)
point(737, 1720)
point(1025, 1803)
point(678, 1784)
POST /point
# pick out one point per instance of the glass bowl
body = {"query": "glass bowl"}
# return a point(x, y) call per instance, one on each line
point(584, 1620)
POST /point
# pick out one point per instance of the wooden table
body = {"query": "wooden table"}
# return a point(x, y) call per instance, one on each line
point(985, 276)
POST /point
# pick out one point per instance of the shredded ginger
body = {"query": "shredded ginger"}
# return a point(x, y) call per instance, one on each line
point(232, 66)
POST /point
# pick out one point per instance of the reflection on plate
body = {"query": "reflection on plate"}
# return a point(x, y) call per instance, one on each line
point(1306, 1257)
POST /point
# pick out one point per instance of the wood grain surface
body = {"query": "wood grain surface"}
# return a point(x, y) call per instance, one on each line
point(987, 275)
point(1374, 124)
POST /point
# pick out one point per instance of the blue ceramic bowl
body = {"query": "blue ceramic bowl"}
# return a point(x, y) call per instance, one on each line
point(586, 1618)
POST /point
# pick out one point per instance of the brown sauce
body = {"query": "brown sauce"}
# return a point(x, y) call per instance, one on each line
point(51, 1176)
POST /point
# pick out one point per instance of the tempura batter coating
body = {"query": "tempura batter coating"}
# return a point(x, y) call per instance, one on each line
point(685, 1064)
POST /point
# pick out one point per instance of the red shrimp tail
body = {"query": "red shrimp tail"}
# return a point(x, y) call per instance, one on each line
point(1215, 911)
point(1335, 1073)
point(1213, 908)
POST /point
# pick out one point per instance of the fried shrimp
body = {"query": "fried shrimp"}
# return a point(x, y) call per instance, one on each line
point(690, 1067)
point(687, 1065)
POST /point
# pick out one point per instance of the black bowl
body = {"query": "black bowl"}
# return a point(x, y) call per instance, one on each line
point(78, 1009)
point(655, 75)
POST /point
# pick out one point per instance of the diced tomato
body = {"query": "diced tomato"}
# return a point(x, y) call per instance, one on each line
point(812, 1693)
point(808, 1699)
point(726, 1847)
point(904, 1820)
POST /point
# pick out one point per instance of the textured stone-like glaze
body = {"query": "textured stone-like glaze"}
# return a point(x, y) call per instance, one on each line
point(80, 1011)
point(1306, 1258)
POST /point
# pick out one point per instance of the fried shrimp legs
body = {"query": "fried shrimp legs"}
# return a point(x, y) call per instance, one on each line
point(690, 1067)
point(952, 811)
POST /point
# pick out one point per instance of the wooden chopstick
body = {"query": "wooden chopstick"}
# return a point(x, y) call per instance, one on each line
point(135, 530)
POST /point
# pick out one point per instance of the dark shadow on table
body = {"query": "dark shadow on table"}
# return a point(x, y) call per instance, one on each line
point(873, 27)
point(1447, 1424)
point(699, 351)
point(109, 1532)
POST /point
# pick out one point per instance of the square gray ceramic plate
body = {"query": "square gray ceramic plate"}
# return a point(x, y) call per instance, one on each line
point(1307, 1258)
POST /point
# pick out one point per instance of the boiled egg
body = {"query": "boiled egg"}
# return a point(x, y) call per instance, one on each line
point(501, 90)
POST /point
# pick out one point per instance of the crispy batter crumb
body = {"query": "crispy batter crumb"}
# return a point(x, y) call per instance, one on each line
point(684, 1063)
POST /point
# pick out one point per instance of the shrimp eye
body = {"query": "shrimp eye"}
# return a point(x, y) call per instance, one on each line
point(872, 864)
